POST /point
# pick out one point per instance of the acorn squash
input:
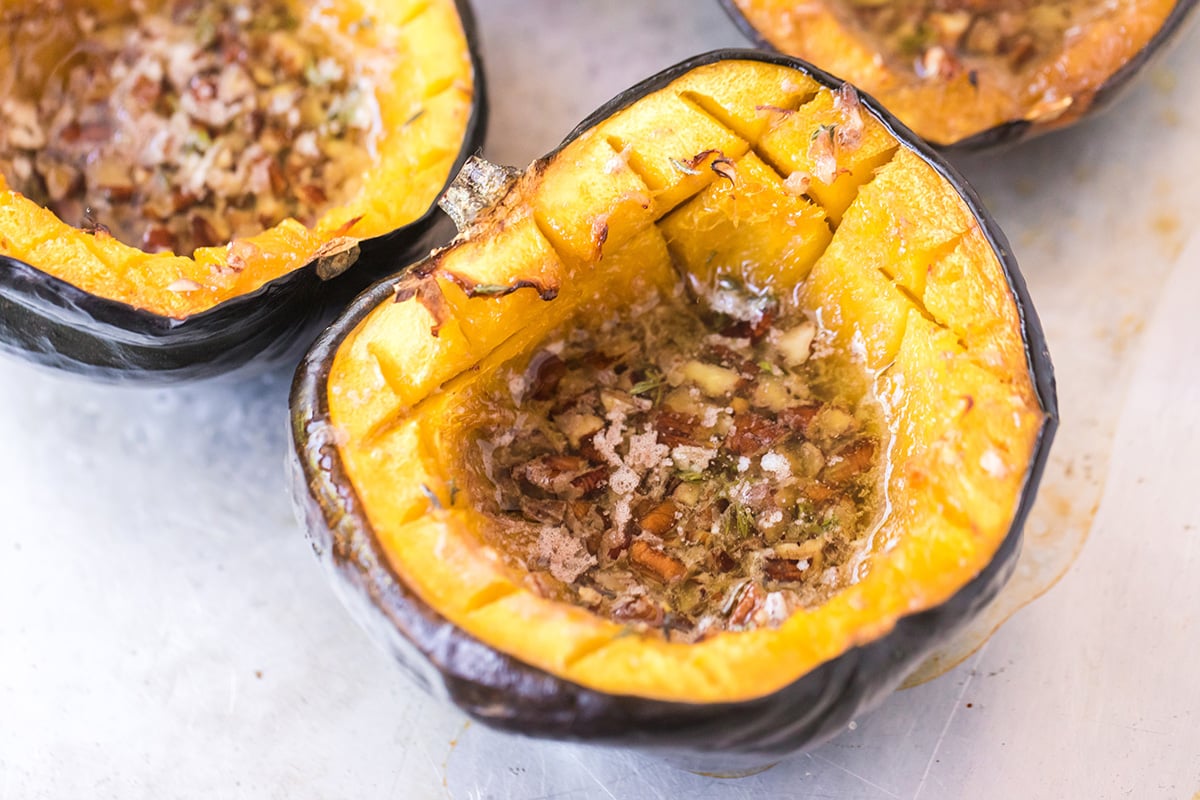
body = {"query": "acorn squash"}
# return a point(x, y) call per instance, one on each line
point(973, 75)
point(724, 173)
point(316, 137)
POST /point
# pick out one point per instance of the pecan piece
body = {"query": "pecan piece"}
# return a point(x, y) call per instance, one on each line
point(748, 601)
point(552, 472)
point(818, 492)
point(754, 434)
point(591, 481)
point(641, 609)
point(666, 568)
point(157, 239)
point(854, 459)
point(781, 569)
point(675, 429)
point(614, 541)
point(546, 371)
point(203, 232)
point(659, 519)
point(797, 418)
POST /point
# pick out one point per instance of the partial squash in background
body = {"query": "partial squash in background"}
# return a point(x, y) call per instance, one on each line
point(72, 295)
point(973, 75)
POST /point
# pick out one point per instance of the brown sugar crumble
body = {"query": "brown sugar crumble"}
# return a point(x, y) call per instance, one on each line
point(186, 126)
point(684, 469)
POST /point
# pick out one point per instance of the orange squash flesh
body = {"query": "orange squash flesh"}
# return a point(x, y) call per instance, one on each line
point(425, 102)
point(947, 106)
point(895, 267)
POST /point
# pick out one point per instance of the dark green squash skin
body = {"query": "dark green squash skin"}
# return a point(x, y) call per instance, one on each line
point(506, 693)
point(53, 323)
point(1010, 133)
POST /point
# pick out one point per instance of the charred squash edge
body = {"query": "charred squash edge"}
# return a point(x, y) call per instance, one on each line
point(509, 694)
point(51, 322)
point(1016, 131)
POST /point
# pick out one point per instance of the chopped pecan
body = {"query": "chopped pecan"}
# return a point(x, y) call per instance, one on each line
point(277, 178)
point(675, 429)
point(551, 472)
point(203, 232)
point(587, 449)
point(797, 418)
point(818, 492)
point(158, 239)
point(850, 461)
point(747, 603)
point(664, 567)
point(780, 569)
point(614, 542)
point(311, 194)
point(545, 372)
point(591, 481)
point(754, 434)
point(659, 519)
point(641, 609)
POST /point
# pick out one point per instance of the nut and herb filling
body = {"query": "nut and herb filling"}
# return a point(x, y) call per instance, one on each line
point(938, 38)
point(678, 468)
point(188, 125)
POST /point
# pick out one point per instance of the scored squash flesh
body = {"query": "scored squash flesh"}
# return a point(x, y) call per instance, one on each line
point(743, 170)
point(956, 70)
point(410, 56)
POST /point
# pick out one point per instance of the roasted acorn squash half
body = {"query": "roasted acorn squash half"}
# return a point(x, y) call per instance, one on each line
point(973, 75)
point(404, 73)
point(726, 170)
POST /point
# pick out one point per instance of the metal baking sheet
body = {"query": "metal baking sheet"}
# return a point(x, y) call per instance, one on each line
point(166, 633)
